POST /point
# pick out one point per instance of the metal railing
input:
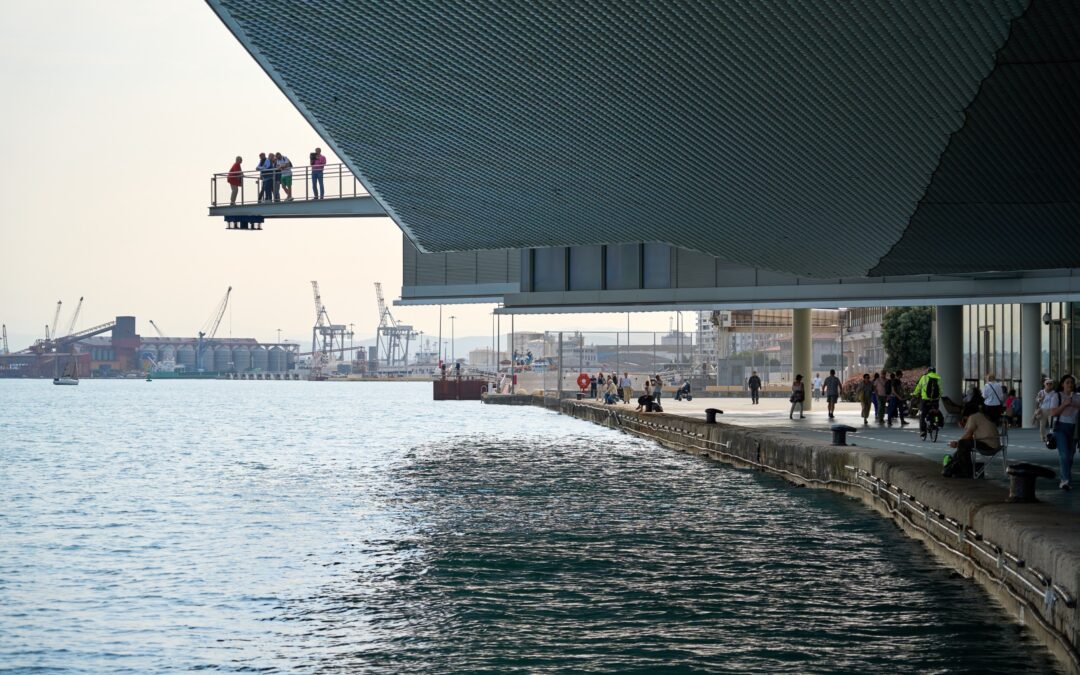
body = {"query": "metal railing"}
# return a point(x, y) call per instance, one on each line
point(265, 187)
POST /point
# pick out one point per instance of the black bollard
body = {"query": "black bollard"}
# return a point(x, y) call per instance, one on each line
point(1022, 481)
point(840, 432)
point(580, 395)
point(710, 415)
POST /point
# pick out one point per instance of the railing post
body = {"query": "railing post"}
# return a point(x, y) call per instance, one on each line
point(339, 192)
point(213, 190)
point(307, 181)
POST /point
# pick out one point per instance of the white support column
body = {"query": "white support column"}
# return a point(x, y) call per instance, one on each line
point(949, 350)
point(1030, 359)
point(802, 352)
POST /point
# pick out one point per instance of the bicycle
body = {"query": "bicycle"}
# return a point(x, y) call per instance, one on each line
point(933, 422)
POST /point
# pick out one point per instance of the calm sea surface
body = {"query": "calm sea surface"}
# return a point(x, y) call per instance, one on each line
point(321, 527)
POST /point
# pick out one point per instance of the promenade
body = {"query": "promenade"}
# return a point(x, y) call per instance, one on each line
point(772, 415)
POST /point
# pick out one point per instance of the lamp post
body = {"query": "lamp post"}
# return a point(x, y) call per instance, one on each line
point(453, 346)
point(279, 335)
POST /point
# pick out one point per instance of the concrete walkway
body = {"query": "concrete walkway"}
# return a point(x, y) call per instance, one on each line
point(772, 414)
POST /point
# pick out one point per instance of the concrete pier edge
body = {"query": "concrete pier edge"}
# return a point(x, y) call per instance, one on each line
point(1026, 556)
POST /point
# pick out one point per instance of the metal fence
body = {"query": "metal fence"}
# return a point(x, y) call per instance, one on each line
point(336, 182)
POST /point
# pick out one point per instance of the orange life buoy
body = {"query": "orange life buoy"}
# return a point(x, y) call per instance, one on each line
point(583, 381)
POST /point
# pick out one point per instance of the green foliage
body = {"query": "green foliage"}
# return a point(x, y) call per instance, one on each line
point(905, 334)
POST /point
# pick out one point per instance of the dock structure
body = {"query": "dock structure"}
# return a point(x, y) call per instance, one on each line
point(1025, 556)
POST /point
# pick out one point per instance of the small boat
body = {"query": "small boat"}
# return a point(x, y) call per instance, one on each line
point(71, 372)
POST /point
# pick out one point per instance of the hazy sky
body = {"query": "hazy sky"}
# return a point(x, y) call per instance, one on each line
point(115, 115)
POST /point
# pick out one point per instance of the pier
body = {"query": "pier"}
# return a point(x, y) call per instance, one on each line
point(1025, 556)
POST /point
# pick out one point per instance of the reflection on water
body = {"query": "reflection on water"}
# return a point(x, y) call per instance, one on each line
point(307, 526)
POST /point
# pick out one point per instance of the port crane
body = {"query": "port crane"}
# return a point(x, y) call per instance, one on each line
point(4, 345)
point(392, 337)
point(156, 329)
point(74, 318)
point(327, 338)
point(55, 319)
point(209, 330)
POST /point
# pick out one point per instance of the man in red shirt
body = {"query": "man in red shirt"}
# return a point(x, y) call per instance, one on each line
point(235, 179)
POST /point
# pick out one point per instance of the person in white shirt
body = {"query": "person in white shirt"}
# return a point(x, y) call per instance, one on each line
point(816, 382)
point(993, 398)
point(284, 166)
point(1045, 401)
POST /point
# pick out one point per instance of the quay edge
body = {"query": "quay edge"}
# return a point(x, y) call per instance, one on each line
point(1025, 556)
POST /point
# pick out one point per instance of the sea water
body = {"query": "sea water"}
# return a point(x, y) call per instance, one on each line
point(150, 527)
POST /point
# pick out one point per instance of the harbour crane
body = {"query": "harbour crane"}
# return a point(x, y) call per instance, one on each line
point(392, 337)
point(55, 319)
point(327, 338)
point(4, 346)
point(210, 329)
point(158, 330)
point(74, 318)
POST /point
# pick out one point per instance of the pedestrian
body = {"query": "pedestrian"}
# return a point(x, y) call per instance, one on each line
point(831, 386)
point(266, 178)
point(1065, 427)
point(318, 163)
point(993, 398)
point(753, 384)
point(276, 174)
point(798, 397)
point(878, 398)
point(897, 407)
point(236, 178)
point(817, 386)
point(284, 166)
point(865, 394)
point(627, 386)
point(592, 387)
point(928, 391)
point(611, 394)
point(1046, 400)
point(658, 386)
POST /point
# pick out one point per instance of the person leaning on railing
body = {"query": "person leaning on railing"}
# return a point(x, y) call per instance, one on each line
point(318, 163)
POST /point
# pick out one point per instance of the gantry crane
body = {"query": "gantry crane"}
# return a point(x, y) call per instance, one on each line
point(327, 338)
point(210, 329)
point(392, 337)
point(74, 318)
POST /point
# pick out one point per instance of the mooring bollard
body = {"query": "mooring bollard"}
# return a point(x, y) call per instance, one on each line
point(710, 415)
point(580, 395)
point(1022, 481)
point(840, 432)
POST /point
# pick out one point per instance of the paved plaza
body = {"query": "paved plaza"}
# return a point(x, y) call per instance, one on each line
point(772, 414)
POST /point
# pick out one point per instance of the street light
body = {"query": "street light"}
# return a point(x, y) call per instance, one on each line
point(841, 320)
point(453, 346)
point(279, 335)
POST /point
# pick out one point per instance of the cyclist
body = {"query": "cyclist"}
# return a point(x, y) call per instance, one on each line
point(928, 391)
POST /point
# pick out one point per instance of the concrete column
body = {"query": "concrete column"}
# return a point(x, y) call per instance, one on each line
point(802, 351)
point(1030, 359)
point(949, 349)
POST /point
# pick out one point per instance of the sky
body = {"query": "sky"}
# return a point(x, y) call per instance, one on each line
point(115, 115)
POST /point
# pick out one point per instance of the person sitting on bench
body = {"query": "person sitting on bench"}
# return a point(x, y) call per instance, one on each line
point(980, 434)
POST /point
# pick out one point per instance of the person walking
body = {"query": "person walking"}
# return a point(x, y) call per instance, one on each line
point(1065, 427)
point(1046, 400)
point(798, 397)
point(896, 405)
point(266, 178)
point(831, 385)
point(627, 386)
point(754, 385)
point(878, 398)
point(284, 166)
point(817, 386)
point(864, 394)
point(276, 173)
point(993, 398)
point(236, 178)
point(318, 164)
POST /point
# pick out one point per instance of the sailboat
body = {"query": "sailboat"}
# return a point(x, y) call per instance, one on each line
point(71, 371)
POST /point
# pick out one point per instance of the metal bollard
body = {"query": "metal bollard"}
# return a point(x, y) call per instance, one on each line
point(1022, 481)
point(710, 415)
point(840, 432)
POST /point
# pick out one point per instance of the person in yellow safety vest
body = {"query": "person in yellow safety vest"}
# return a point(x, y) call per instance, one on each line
point(928, 391)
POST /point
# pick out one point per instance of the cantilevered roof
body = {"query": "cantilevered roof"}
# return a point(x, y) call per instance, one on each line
point(917, 136)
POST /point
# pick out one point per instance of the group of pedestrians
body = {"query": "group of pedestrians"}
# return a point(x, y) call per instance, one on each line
point(1057, 410)
point(884, 392)
point(611, 389)
point(276, 176)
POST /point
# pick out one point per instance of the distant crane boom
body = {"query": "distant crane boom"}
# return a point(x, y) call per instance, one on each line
point(5, 342)
point(210, 328)
point(160, 334)
point(74, 318)
point(55, 319)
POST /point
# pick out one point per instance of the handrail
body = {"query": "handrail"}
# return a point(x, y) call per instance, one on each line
point(336, 182)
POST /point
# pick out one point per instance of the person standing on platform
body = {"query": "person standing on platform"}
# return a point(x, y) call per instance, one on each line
point(1065, 428)
point(658, 385)
point(627, 387)
point(878, 398)
point(284, 166)
point(266, 178)
point(754, 385)
point(318, 163)
point(1045, 401)
point(276, 173)
point(817, 386)
point(236, 177)
point(831, 386)
point(993, 398)
point(592, 387)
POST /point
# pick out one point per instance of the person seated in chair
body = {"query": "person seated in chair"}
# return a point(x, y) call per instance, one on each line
point(980, 434)
point(683, 392)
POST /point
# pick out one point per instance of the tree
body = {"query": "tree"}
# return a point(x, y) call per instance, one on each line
point(905, 335)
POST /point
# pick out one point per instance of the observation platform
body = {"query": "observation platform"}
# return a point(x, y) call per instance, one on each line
point(261, 195)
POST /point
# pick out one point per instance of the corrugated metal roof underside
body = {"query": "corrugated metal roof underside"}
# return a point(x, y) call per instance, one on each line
point(753, 131)
point(1006, 194)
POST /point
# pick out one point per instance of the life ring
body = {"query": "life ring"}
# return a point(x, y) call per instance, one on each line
point(583, 381)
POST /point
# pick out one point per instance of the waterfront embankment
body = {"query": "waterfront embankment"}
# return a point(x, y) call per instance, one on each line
point(1026, 556)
